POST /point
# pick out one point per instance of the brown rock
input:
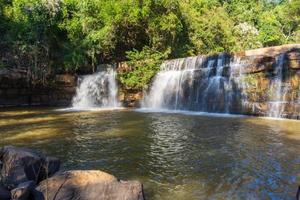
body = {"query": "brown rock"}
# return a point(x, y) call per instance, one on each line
point(65, 79)
point(257, 64)
point(272, 51)
point(88, 185)
point(294, 60)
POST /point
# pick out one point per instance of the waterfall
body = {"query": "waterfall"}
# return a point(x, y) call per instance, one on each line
point(195, 83)
point(98, 90)
point(277, 89)
point(222, 84)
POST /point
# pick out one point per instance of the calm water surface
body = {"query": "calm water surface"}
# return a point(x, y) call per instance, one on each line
point(177, 157)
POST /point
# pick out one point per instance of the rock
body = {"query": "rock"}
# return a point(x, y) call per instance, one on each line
point(88, 185)
point(19, 165)
point(130, 98)
point(65, 80)
point(271, 51)
point(23, 191)
point(52, 166)
point(22, 164)
point(294, 59)
point(4, 193)
point(15, 89)
point(256, 64)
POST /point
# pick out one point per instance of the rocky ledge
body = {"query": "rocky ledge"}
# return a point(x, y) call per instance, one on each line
point(26, 174)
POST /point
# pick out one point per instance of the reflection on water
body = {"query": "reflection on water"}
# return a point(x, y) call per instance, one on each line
point(175, 156)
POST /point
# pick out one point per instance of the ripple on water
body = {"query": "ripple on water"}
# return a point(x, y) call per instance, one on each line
point(176, 156)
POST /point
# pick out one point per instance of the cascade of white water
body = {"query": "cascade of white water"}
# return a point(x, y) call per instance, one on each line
point(277, 89)
point(237, 86)
point(194, 83)
point(222, 83)
point(97, 90)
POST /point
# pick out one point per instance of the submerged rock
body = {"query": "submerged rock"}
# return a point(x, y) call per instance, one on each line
point(88, 185)
point(22, 165)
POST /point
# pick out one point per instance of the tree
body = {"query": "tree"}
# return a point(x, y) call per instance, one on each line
point(53, 36)
point(207, 35)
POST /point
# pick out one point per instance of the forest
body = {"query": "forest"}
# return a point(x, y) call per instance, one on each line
point(75, 36)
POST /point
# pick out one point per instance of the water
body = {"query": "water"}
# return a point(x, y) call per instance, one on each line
point(176, 156)
point(98, 90)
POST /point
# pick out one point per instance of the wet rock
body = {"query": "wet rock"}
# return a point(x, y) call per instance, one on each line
point(22, 165)
point(88, 185)
point(4, 193)
point(23, 191)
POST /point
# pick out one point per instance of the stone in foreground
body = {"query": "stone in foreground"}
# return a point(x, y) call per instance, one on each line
point(88, 185)
point(22, 165)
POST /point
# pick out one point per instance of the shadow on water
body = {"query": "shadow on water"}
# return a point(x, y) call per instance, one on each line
point(176, 156)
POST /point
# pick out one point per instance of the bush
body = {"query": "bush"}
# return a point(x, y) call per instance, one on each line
point(144, 66)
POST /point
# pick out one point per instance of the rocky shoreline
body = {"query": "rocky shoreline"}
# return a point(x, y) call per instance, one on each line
point(26, 174)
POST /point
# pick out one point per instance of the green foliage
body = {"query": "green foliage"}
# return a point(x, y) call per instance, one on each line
point(270, 30)
point(210, 36)
point(47, 36)
point(145, 64)
point(247, 36)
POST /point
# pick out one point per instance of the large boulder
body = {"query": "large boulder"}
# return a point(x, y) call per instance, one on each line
point(22, 165)
point(88, 185)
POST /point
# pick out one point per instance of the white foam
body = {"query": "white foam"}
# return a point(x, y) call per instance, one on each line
point(186, 112)
point(80, 109)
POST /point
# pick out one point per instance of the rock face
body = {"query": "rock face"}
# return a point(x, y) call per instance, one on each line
point(88, 185)
point(21, 165)
point(16, 90)
point(274, 89)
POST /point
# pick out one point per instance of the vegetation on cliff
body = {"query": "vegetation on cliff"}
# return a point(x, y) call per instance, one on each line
point(46, 36)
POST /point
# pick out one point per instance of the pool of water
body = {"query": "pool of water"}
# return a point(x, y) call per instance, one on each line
point(176, 156)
